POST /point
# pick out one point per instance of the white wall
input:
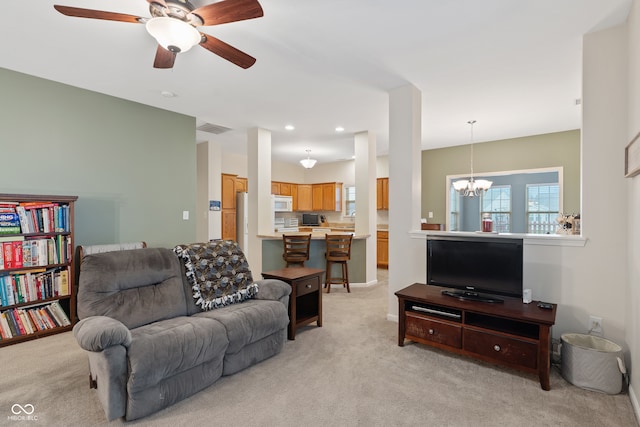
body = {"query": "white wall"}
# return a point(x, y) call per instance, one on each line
point(632, 319)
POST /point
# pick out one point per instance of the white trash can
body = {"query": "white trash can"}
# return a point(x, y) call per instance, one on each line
point(592, 363)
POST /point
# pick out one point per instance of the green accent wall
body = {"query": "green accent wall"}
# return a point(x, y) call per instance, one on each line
point(560, 149)
point(132, 166)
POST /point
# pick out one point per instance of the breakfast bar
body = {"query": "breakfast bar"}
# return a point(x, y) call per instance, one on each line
point(272, 249)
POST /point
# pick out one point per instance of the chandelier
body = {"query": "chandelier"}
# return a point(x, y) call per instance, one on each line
point(471, 187)
point(308, 163)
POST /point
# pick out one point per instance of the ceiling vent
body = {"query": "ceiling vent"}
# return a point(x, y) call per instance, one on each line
point(211, 128)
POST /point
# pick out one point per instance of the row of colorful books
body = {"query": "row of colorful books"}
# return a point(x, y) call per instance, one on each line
point(33, 217)
point(29, 320)
point(34, 285)
point(19, 252)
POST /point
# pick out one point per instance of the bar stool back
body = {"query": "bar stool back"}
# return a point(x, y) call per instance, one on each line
point(338, 252)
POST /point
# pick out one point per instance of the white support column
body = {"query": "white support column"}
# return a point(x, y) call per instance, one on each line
point(365, 179)
point(209, 187)
point(407, 256)
point(260, 211)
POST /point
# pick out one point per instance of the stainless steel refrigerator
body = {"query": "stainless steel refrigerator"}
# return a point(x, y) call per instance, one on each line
point(242, 221)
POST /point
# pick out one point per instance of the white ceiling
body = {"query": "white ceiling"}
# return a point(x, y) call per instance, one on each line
point(514, 66)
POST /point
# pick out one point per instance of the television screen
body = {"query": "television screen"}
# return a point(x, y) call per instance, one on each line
point(310, 219)
point(474, 266)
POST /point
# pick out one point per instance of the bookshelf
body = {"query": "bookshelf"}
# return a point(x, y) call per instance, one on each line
point(36, 266)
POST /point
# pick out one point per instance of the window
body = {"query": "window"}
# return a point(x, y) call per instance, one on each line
point(543, 207)
point(497, 202)
point(350, 201)
point(454, 209)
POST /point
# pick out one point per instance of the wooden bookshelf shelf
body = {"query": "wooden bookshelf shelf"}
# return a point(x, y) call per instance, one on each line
point(36, 266)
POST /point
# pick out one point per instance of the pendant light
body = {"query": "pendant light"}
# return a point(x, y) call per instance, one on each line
point(471, 187)
point(308, 163)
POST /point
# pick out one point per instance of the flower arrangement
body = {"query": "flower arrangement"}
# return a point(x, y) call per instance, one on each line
point(568, 224)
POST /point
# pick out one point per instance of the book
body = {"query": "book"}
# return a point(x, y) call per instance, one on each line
point(34, 319)
point(60, 314)
point(4, 326)
point(7, 249)
point(24, 220)
point(17, 254)
point(26, 322)
point(13, 327)
point(64, 283)
point(18, 320)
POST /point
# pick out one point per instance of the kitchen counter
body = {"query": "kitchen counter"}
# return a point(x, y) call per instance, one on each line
point(272, 250)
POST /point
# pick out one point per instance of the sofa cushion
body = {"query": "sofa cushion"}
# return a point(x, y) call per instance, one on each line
point(136, 287)
point(218, 273)
point(163, 349)
point(250, 321)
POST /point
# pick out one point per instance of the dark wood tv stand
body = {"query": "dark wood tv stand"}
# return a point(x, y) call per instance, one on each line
point(511, 334)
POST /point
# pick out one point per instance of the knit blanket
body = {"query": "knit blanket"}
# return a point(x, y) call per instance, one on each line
point(218, 273)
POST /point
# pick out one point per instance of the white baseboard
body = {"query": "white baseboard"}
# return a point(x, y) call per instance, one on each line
point(355, 285)
point(634, 404)
point(392, 317)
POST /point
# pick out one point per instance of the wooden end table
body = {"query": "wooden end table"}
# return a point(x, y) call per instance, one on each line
point(305, 301)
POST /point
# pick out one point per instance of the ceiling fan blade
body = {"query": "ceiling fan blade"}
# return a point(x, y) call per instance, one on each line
point(226, 11)
point(227, 51)
point(164, 58)
point(97, 14)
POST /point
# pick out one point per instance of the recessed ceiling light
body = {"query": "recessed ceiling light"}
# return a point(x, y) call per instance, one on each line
point(289, 127)
point(339, 129)
point(168, 94)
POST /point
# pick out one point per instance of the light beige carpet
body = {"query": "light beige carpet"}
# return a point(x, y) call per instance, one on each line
point(350, 372)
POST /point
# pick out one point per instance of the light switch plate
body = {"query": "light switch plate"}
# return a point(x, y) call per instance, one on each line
point(185, 215)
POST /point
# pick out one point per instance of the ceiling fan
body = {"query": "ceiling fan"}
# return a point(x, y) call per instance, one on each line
point(173, 24)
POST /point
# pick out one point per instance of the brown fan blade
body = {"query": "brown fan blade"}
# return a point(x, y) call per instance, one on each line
point(164, 58)
point(227, 51)
point(97, 14)
point(226, 11)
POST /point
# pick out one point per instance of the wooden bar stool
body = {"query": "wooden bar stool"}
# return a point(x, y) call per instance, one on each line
point(338, 252)
point(296, 248)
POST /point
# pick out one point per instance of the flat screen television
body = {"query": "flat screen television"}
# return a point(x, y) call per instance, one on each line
point(310, 219)
point(476, 268)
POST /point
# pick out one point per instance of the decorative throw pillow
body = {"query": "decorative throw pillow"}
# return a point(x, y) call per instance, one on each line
point(218, 273)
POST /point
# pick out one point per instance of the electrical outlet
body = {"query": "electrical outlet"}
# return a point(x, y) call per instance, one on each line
point(430, 214)
point(595, 325)
point(185, 215)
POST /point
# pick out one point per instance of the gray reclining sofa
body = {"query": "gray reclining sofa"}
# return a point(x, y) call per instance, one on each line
point(151, 343)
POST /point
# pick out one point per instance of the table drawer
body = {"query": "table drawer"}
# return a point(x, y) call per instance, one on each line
point(307, 286)
point(501, 349)
point(433, 330)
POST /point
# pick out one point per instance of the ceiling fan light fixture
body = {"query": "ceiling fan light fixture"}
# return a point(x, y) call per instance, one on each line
point(173, 34)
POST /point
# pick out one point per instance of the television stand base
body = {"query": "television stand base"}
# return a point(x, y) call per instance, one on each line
point(472, 296)
point(511, 334)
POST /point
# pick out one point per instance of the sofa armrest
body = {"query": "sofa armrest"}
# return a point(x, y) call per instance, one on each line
point(97, 333)
point(272, 289)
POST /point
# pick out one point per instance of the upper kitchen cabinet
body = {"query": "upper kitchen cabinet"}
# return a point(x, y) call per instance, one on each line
point(305, 197)
point(228, 191)
point(282, 188)
point(327, 196)
point(382, 193)
point(242, 185)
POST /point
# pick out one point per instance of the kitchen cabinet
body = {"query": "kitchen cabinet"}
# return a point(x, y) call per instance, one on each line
point(229, 224)
point(316, 190)
point(228, 191)
point(281, 188)
point(305, 197)
point(294, 196)
point(382, 193)
point(382, 245)
point(327, 196)
point(242, 185)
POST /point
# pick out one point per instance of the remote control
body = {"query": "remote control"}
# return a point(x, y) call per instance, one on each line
point(545, 305)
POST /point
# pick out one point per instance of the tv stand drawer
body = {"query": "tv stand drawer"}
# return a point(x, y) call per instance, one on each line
point(502, 349)
point(432, 330)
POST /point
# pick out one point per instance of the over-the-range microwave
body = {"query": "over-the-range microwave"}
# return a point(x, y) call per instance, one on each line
point(282, 203)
